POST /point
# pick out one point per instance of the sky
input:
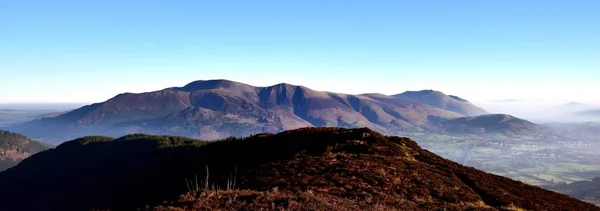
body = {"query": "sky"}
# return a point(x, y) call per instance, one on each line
point(89, 51)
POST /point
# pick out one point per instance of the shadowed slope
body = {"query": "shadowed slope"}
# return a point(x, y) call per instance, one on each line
point(318, 168)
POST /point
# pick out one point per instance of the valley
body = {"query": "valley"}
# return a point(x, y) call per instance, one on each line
point(538, 159)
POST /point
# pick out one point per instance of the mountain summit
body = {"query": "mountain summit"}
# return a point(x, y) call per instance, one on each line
point(440, 100)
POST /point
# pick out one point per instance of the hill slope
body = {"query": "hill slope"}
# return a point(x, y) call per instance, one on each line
point(440, 100)
point(491, 123)
point(311, 168)
point(16, 147)
point(220, 108)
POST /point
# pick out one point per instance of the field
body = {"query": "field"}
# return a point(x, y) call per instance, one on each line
point(543, 158)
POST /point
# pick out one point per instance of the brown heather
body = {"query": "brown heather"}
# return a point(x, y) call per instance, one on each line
point(303, 169)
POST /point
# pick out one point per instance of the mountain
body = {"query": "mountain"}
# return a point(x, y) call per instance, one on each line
point(491, 123)
point(586, 190)
point(10, 117)
point(442, 101)
point(219, 108)
point(16, 147)
point(591, 113)
point(303, 169)
point(573, 107)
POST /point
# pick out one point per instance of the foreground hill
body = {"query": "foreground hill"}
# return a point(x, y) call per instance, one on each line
point(16, 147)
point(486, 124)
point(220, 108)
point(440, 100)
point(304, 169)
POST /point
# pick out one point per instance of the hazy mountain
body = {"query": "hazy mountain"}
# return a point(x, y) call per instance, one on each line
point(10, 117)
point(440, 100)
point(220, 108)
point(591, 113)
point(587, 190)
point(573, 106)
point(491, 123)
point(305, 169)
point(16, 147)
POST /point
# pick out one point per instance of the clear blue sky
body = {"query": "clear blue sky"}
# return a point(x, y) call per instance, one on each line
point(71, 51)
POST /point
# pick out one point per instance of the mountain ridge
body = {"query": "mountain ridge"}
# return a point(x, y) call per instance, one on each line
point(214, 109)
point(255, 109)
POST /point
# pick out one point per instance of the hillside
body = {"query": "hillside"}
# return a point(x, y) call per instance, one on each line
point(442, 101)
point(310, 168)
point(220, 108)
point(16, 147)
point(487, 124)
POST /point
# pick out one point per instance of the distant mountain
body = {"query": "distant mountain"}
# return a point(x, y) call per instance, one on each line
point(10, 117)
point(491, 123)
point(440, 100)
point(220, 108)
point(591, 112)
point(586, 190)
point(305, 169)
point(573, 106)
point(16, 147)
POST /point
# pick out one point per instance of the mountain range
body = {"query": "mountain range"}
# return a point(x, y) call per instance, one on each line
point(303, 169)
point(220, 108)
